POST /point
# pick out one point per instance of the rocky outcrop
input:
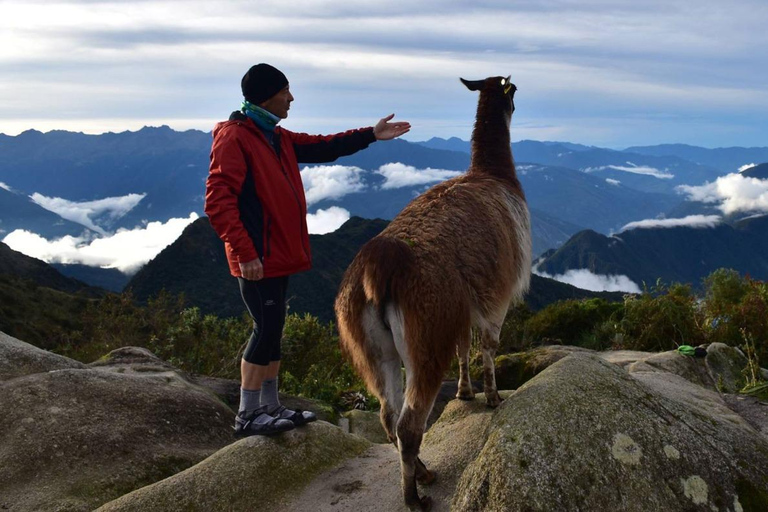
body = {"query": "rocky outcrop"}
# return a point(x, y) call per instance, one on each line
point(257, 473)
point(513, 370)
point(583, 431)
point(74, 438)
point(586, 435)
point(18, 359)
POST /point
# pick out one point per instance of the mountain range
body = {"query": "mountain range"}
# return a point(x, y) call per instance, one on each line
point(672, 254)
point(124, 180)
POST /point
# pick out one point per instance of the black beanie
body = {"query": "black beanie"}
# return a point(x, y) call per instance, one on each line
point(261, 82)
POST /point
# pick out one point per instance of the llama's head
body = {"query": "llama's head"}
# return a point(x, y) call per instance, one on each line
point(496, 90)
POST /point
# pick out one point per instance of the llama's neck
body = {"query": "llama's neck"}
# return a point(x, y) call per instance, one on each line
point(491, 149)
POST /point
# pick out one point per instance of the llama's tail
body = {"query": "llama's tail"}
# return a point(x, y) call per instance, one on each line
point(387, 268)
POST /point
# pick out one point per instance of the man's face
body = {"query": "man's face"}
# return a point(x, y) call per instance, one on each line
point(280, 103)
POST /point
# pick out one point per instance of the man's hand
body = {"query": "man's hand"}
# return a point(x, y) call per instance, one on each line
point(252, 270)
point(384, 130)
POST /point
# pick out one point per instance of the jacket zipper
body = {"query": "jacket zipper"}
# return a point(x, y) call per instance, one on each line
point(269, 237)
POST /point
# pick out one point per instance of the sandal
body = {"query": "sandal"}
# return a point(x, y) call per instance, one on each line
point(297, 417)
point(246, 426)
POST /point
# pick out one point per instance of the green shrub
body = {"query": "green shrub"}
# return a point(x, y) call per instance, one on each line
point(313, 365)
point(584, 323)
point(661, 319)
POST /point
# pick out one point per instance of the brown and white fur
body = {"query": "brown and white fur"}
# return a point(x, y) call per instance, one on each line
point(455, 258)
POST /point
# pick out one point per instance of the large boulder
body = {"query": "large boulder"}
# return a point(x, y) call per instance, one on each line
point(257, 473)
point(18, 359)
point(513, 370)
point(586, 435)
point(73, 439)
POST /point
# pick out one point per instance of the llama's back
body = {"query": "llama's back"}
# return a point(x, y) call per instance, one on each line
point(475, 229)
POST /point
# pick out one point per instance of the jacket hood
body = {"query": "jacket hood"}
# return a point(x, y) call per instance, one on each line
point(237, 117)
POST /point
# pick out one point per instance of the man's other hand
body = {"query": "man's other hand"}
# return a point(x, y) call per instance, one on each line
point(384, 130)
point(252, 270)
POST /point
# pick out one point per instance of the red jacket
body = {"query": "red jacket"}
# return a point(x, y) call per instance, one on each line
point(254, 197)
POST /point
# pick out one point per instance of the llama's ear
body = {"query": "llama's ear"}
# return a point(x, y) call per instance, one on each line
point(473, 85)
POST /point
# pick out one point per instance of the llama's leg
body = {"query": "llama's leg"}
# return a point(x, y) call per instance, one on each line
point(410, 430)
point(465, 391)
point(490, 342)
point(388, 384)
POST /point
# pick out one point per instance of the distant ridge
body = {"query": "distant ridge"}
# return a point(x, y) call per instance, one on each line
point(195, 265)
point(680, 254)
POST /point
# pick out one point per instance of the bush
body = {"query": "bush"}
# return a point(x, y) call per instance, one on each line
point(585, 323)
point(736, 308)
point(661, 319)
point(312, 363)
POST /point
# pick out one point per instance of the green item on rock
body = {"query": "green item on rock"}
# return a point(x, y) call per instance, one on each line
point(686, 350)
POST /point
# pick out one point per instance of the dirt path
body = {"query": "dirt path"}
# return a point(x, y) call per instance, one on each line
point(370, 482)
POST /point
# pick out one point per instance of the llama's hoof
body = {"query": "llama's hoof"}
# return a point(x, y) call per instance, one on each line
point(465, 394)
point(427, 478)
point(425, 504)
point(492, 399)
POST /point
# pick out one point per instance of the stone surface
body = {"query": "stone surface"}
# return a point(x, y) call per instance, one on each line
point(367, 425)
point(585, 435)
point(18, 359)
point(73, 439)
point(725, 365)
point(256, 473)
point(513, 370)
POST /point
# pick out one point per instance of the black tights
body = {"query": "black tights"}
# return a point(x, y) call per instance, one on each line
point(265, 300)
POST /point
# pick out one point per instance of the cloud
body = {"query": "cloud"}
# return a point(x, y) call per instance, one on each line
point(399, 175)
point(326, 221)
point(746, 166)
point(634, 169)
point(6, 187)
point(691, 221)
point(735, 193)
point(612, 181)
point(126, 250)
point(87, 213)
point(586, 280)
point(330, 182)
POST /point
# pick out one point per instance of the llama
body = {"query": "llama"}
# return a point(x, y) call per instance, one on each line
point(455, 258)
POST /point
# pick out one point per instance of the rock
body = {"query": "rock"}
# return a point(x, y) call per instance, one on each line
point(513, 370)
point(624, 358)
point(76, 438)
point(693, 369)
point(366, 425)
point(135, 359)
point(18, 359)
point(586, 435)
point(256, 473)
point(140, 361)
point(725, 365)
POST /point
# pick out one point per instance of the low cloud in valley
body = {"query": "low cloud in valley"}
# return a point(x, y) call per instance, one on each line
point(87, 213)
point(126, 250)
point(330, 182)
point(734, 193)
point(399, 175)
point(634, 169)
point(326, 221)
point(586, 280)
point(691, 221)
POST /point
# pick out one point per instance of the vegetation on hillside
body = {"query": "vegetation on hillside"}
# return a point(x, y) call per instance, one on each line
point(731, 309)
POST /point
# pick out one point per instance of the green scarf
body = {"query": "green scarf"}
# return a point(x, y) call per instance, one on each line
point(264, 119)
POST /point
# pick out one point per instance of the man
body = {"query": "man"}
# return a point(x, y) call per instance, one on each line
point(255, 201)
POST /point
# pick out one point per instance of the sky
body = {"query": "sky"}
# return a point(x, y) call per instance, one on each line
point(598, 72)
